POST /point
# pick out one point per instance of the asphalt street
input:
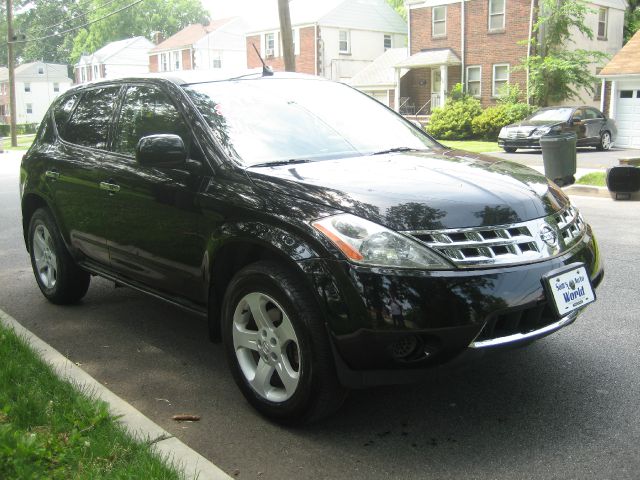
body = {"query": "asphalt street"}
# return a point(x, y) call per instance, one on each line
point(566, 407)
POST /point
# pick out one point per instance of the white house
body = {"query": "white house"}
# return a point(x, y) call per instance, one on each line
point(218, 46)
point(115, 60)
point(378, 79)
point(333, 38)
point(37, 85)
point(621, 92)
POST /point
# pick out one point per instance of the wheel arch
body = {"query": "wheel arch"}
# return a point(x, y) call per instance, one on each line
point(30, 203)
point(236, 253)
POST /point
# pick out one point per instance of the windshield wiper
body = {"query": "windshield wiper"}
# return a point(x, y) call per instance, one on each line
point(276, 163)
point(399, 149)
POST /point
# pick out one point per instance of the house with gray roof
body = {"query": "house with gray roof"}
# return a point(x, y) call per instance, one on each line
point(378, 79)
point(333, 39)
point(115, 60)
point(37, 85)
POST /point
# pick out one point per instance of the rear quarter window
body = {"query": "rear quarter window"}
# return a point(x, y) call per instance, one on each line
point(62, 112)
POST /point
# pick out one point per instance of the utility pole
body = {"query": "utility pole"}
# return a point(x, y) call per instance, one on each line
point(12, 74)
point(287, 36)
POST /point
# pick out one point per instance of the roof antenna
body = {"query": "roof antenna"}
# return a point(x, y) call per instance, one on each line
point(266, 70)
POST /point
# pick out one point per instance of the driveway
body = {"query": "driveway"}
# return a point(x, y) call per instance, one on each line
point(564, 407)
point(588, 158)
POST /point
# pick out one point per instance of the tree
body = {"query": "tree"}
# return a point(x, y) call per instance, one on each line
point(556, 71)
point(164, 16)
point(398, 6)
point(631, 19)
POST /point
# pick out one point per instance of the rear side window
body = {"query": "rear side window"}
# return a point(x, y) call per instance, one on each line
point(89, 124)
point(62, 112)
point(147, 111)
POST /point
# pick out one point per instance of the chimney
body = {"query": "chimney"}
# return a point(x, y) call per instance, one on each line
point(157, 37)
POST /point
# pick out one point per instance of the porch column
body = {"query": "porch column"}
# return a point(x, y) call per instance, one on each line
point(612, 99)
point(444, 69)
point(396, 92)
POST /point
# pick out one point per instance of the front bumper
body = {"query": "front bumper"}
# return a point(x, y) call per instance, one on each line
point(533, 142)
point(443, 317)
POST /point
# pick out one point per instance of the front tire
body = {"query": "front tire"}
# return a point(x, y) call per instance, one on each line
point(60, 280)
point(605, 141)
point(277, 347)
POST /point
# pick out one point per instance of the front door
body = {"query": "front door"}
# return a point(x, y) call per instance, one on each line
point(436, 85)
point(154, 218)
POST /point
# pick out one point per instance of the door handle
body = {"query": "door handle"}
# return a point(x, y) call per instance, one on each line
point(52, 174)
point(110, 187)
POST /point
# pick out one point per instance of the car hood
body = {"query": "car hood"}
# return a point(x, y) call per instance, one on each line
point(416, 191)
point(530, 125)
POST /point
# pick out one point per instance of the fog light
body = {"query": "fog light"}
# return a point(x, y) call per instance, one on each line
point(405, 347)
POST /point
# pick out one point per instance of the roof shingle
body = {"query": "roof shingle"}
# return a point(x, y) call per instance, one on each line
point(626, 61)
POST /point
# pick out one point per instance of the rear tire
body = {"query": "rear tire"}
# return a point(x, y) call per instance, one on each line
point(277, 346)
point(60, 280)
point(510, 149)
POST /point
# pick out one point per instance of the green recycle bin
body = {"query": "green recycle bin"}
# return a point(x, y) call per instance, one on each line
point(559, 157)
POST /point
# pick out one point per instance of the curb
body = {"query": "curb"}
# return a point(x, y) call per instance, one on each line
point(136, 423)
point(587, 190)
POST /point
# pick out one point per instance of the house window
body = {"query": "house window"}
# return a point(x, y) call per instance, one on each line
point(474, 83)
point(270, 44)
point(603, 20)
point(40, 70)
point(496, 14)
point(439, 21)
point(216, 62)
point(177, 60)
point(83, 75)
point(29, 108)
point(27, 87)
point(56, 87)
point(343, 41)
point(387, 42)
point(500, 78)
point(164, 62)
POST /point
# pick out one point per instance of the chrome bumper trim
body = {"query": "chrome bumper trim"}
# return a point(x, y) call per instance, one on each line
point(518, 337)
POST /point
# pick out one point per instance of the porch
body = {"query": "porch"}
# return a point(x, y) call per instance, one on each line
point(424, 81)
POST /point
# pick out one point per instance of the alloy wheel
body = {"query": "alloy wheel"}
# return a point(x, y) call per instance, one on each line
point(266, 347)
point(45, 257)
point(606, 141)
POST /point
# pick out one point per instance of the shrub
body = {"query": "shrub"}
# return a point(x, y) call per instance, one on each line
point(453, 120)
point(487, 125)
point(21, 129)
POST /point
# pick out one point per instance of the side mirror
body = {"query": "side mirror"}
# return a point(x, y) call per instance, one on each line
point(163, 150)
point(576, 120)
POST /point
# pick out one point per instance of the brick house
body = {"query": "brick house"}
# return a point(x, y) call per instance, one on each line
point(115, 60)
point(219, 46)
point(334, 38)
point(478, 43)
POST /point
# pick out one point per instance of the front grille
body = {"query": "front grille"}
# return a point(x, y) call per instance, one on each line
point(507, 244)
point(519, 321)
point(518, 133)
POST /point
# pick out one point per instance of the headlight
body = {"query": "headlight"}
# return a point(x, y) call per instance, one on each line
point(503, 132)
point(538, 132)
point(368, 243)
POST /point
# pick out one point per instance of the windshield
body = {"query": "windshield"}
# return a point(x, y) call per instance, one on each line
point(277, 120)
point(552, 115)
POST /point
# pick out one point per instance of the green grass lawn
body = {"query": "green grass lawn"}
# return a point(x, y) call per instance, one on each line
point(24, 142)
point(474, 146)
point(597, 179)
point(49, 430)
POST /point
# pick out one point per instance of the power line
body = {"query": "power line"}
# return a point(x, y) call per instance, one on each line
point(76, 17)
point(79, 26)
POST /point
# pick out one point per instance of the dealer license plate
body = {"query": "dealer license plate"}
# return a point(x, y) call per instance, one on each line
point(569, 288)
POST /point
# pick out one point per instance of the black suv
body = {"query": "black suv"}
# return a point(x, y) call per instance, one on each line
point(328, 242)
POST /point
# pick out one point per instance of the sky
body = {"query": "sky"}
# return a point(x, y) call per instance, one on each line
point(230, 8)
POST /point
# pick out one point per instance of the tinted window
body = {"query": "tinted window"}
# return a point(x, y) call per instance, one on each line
point(89, 124)
point(62, 112)
point(593, 113)
point(147, 111)
point(626, 94)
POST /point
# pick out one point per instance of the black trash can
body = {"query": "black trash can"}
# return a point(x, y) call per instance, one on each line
point(559, 157)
